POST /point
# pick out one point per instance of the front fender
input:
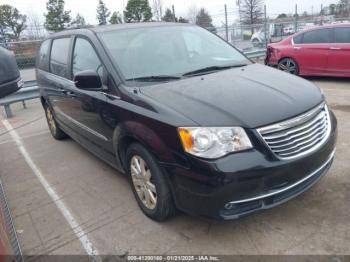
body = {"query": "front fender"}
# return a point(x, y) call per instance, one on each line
point(131, 131)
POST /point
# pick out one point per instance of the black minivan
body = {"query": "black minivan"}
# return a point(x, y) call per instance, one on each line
point(194, 124)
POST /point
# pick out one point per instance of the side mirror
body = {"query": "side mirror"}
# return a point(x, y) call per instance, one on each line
point(10, 80)
point(88, 80)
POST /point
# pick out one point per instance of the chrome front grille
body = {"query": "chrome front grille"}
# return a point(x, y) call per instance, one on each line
point(300, 135)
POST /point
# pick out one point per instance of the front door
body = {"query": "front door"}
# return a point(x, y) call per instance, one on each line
point(84, 109)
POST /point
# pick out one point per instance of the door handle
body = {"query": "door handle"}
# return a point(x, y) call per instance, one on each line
point(70, 93)
point(334, 48)
point(297, 47)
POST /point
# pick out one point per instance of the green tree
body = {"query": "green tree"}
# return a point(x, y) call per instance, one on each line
point(332, 9)
point(57, 18)
point(203, 19)
point(305, 14)
point(116, 18)
point(78, 21)
point(11, 18)
point(183, 20)
point(102, 13)
point(344, 8)
point(168, 16)
point(137, 11)
point(283, 15)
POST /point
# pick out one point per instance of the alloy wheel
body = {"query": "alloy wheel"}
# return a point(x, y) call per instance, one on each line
point(142, 180)
point(51, 121)
point(288, 65)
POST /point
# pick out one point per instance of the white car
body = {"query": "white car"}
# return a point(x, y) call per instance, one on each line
point(258, 38)
point(288, 30)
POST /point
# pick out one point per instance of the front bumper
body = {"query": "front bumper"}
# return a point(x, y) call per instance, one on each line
point(243, 183)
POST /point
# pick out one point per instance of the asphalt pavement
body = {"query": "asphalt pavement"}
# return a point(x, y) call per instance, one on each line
point(64, 200)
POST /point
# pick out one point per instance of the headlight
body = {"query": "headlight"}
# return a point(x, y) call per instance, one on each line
point(213, 142)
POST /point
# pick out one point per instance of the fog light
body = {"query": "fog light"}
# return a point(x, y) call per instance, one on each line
point(228, 206)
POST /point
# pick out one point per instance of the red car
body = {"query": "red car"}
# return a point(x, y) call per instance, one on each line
point(320, 51)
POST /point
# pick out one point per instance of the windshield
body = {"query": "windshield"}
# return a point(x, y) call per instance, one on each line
point(168, 51)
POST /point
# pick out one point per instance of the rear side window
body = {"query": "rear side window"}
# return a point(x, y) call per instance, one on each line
point(320, 36)
point(85, 58)
point(43, 55)
point(298, 39)
point(342, 35)
point(59, 57)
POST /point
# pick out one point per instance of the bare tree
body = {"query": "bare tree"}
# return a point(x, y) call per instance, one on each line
point(157, 7)
point(35, 26)
point(192, 14)
point(252, 12)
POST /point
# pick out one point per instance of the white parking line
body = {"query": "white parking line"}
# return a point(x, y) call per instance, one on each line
point(86, 243)
point(26, 137)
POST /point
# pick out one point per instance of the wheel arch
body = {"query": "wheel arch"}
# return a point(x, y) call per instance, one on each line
point(43, 101)
point(132, 132)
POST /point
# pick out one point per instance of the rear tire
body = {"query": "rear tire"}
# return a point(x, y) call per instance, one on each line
point(148, 184)
point(55, 130)
point(288, 65)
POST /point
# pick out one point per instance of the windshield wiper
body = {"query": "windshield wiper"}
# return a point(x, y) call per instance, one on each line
point(154, 78)
point(211, 69)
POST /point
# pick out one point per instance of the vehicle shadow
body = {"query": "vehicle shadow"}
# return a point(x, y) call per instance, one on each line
point(328, 79)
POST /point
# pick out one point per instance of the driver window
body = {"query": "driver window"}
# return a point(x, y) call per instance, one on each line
point(85, 58)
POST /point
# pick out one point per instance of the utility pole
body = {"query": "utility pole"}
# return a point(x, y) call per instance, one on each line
point(174, 17)
point(296, 19)
point(265, 27)
point(240, 16)
point(123, 12)
point(226, 23)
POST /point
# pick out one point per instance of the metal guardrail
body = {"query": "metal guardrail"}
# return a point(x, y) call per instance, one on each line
point(256, 53)
point(30, 89)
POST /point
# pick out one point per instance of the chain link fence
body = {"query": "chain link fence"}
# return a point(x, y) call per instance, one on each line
point(255, 37)
point(247, 38)
point(24, 51)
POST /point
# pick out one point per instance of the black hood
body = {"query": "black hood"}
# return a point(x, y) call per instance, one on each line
point(251, 96)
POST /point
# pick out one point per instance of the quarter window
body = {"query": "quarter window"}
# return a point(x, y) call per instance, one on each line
point(43, 54)
point(298, 39)
point(342, 35)
point(320, 36)
point(59, 57)
point(85, 58)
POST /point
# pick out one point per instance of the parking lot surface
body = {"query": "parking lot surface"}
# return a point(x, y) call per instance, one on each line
point(106, 218)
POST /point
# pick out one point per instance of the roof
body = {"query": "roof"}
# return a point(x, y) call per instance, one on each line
point(106, 28)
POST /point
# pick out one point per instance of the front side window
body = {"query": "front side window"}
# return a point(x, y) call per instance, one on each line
point(167, 51)
point(85, 58)
point(342, 35)
point(59, 57)
point(320, 36)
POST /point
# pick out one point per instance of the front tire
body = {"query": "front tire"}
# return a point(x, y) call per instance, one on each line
point(55, 130)
point(289, 65)
point(148, 183)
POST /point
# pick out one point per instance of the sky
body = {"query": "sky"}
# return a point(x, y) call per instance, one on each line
point(87, 8)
